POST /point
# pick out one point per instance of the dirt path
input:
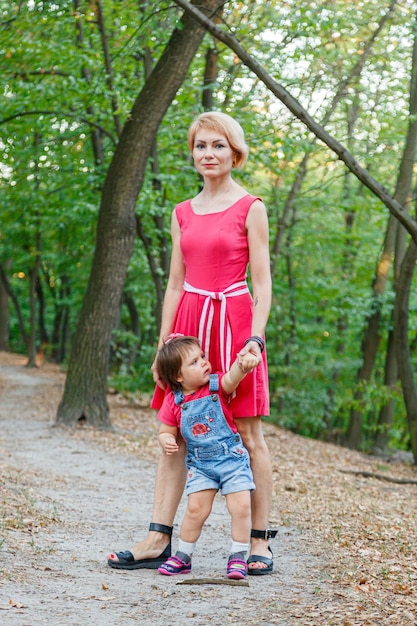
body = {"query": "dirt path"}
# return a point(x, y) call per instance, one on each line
point(346, 554)
point(94, 500)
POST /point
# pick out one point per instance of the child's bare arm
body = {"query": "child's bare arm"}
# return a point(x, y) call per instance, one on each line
point(238, 371)
point(168, 439)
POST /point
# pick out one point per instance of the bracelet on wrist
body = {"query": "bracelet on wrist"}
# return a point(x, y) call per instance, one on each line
point(259, 340)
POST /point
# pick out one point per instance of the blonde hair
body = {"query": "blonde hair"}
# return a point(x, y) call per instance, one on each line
point(227, 126)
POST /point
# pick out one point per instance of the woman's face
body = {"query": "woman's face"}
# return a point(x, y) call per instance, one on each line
point(212, 154)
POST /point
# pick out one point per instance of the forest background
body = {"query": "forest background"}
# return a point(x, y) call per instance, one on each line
point(97, 97)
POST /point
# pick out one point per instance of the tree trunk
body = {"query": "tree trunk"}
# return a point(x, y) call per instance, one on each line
point(98, 10)
point(95, 133)
point(6, 285)
point(61, 319)
point(159, 268)
point(394, 242)
point(4, 311)
point(211, 69)
point(369, 349)
point(34, 275)
point(404, 187)
point(86, 384)
point(210, 77)
point(405, 367)
point(43, 333)
point(386, 413)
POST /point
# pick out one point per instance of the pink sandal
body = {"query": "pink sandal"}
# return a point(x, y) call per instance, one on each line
point(174, 565)
point(236, 568)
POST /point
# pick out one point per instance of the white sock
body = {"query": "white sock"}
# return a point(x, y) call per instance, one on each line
point(237, 546)
point(186, 547)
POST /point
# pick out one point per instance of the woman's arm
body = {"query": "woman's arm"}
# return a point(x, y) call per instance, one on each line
point(260, 271)
point(168, 438)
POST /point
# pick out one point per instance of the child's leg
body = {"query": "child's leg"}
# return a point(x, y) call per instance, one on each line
point(239, 506)
point(199, 506)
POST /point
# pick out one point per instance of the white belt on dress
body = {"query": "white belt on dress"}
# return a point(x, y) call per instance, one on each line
point(207, 314)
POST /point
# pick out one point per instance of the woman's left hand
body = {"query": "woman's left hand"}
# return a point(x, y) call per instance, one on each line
point(157, 379)
point(251, 347)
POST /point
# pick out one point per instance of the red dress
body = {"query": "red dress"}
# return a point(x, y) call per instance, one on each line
point(216, 305)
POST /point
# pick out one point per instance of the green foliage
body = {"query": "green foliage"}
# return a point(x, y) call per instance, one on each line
point(130, 375)
point(59, 96)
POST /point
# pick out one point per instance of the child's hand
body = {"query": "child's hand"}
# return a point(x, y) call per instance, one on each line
point(171, 446)
point(247, 362)
point(168, 443)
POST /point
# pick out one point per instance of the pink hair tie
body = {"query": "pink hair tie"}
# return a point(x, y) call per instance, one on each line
point(173, 336)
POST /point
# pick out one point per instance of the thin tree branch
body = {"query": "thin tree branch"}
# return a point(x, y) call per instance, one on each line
point(390, 479)
point(41, 72)
point(61, 114)
point(296, 108)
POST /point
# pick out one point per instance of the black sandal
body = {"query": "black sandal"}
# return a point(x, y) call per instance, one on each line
point(255, 558)
point(126, 560)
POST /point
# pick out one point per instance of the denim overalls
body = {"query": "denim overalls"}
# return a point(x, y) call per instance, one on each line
point(216, 457)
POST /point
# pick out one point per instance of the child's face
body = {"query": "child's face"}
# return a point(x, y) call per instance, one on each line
point(195, 370)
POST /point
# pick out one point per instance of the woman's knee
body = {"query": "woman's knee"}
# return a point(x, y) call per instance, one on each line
point(250, 429)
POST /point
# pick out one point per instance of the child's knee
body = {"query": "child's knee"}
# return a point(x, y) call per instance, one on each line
point(198, 509)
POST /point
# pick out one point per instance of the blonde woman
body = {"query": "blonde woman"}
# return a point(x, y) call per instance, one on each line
point(216, 236)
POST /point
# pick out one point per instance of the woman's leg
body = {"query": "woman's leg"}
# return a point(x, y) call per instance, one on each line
point(169, 487)
point(250, 429)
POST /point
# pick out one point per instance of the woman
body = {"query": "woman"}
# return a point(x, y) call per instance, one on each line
point(215, 237)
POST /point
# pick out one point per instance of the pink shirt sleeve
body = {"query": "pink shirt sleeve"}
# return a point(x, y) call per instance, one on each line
point(168, 412)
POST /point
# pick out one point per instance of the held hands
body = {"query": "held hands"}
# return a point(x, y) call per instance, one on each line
point(247, 361)
point(168, 443)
